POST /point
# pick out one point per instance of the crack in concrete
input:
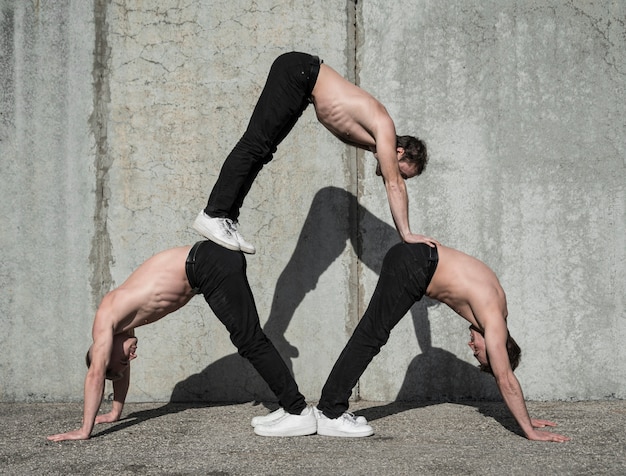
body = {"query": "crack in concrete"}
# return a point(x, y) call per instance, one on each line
point(100, 255)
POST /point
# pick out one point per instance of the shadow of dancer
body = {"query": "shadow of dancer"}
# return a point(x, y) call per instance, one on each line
point(322, 239)
point(331, 224)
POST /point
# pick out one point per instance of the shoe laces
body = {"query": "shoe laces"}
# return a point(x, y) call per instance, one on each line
point(233, 229)
point(350, 417)
point(229, 226)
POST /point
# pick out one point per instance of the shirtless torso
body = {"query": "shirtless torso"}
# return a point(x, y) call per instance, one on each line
point(351, 114)
point(157, 288)
point(468, 286)
point(357, 118)
point(472, 290)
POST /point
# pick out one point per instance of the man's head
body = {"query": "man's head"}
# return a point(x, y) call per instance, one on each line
point(414, 152)
point(477, 344)
point(123, 351)
point(412, 157)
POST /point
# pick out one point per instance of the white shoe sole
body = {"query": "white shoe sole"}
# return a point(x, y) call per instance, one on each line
point(268, 430)
point(248, 250)
point(344, 434)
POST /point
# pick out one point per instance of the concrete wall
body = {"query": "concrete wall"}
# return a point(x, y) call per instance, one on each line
point(115, 118)
point(522, 106)
point(47, 189)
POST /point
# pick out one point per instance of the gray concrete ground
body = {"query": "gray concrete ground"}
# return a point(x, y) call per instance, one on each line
point(411, 438)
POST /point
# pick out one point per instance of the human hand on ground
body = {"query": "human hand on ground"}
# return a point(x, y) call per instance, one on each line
point(541, 423)
point(70, 435)
point(546, 436)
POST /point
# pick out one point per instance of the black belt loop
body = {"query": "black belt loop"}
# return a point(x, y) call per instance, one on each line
point(433, 258)
point(433, 255)
point(190, 265)
point(313, 73)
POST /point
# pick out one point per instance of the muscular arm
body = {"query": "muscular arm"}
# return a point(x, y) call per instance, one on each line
point(101, 349)
point(395, 186)
point(509, 386)
point(94, 388)
point(157, 288)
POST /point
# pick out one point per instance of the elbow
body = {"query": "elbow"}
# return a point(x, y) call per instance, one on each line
point(394, 184)
point(95, 375)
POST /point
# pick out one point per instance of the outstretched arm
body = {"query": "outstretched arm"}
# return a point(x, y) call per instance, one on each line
point(397, 195)
point(510, 388)
point(399, 205)
point(94, 386)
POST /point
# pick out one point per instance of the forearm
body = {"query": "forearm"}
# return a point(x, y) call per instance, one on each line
point(113, 415)
point(94, 388)
point(120, 390)
point(511, 392)
point(116, 410)
point(399, 205)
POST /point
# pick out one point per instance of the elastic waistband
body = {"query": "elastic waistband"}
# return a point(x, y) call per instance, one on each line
point(190, 267)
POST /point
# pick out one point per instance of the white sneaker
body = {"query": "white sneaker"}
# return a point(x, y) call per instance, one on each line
point(290, 425)
point(244, 246)
point(269, 418)
point(346, 426)
point(218, 230)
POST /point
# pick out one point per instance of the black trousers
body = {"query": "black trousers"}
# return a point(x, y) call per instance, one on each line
point(220, 275)
point(406, 272)
point(284, 98)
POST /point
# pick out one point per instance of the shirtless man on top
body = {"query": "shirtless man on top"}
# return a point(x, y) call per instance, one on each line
point(353, 115)
point(162, 285)
point(467, 286)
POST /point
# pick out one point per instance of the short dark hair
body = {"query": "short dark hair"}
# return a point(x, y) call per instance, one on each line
point(414, 151)
point(514, 352)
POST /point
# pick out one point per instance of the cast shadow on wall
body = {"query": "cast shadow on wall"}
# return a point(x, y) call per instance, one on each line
point(434, 374)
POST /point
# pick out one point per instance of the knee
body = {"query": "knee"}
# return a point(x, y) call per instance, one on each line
point(255, 147)
point(371, 334)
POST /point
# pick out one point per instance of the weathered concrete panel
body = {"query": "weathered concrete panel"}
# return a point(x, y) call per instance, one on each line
point(115, 118)
point(183, 82)
point(521, 106)
point(47, 191)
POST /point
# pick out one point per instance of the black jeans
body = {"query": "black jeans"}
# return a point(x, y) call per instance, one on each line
point(220, 275)
point(405, 275)
point(284, 98)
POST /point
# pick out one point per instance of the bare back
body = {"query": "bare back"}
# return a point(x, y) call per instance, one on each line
point(157, 288)
point(468, 286)
point(353, 115)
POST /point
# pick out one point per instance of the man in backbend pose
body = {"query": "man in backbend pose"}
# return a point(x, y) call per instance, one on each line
point(162, 285)
point(467, 286)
